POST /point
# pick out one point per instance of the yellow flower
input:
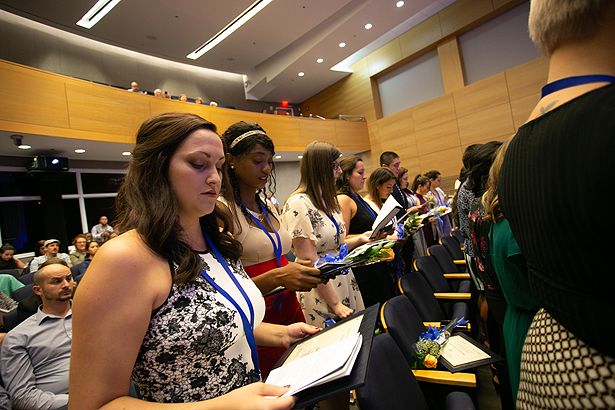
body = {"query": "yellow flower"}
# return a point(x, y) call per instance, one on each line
point(430, 362)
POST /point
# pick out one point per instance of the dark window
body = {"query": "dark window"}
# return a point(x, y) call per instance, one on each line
point(96, 207)
point(72, 218)
point(22, 224)
point(101, 183)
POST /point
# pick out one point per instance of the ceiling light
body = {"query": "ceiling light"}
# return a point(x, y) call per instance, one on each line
point(319, 60)
point(239, 21)
point(299, 156)
point(278, 157)
point(342, 44)
point(24, 146)
point(97, 12)
point(79, 151)
point(300, 73)
point(368, 26)
point(18, 141)
point(399, 3)
point(126, 153)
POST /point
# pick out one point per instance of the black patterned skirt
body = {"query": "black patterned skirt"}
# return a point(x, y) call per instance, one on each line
point(559, 371)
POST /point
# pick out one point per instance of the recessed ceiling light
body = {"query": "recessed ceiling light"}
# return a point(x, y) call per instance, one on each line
point(300, 73)
point(368, 26)
point(399, 3)
point(126, 153)
point(299, 156)
point(239, 21)
point(278, 157)
point(97, 12)
point(319, 60)
point(79, 150)
point(24, 146)
point(342, 44)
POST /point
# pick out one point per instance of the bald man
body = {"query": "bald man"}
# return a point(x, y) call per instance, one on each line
point(35, 357)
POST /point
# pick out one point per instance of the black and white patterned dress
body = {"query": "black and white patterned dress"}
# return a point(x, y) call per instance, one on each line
point(195, 346)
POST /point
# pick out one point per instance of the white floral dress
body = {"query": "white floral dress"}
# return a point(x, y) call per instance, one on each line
point(303, 220)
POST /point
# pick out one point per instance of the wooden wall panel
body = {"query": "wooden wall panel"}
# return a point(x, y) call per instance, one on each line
point(442, 136)
point(351, 136)
point(522, 108)
point(450, 65)
point(485, 125)
point(420, 37)
point(526, 79)
point(104, 109)
point(46, 100)
point(434, 112)
point(315, 129)
point(488, 92)
point(448, 162)
point(384, 57)
point(463, 13)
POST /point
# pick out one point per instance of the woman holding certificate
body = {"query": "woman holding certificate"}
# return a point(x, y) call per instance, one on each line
point(256, 224)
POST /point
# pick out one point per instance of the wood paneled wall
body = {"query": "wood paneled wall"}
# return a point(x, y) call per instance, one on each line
point(43, 103)
point(434, 134)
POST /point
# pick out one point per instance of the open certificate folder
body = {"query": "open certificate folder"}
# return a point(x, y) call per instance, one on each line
point(389, 209)
point(320, 366)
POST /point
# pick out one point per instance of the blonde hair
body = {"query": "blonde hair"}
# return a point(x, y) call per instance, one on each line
point(553, 22)
point(491, 202)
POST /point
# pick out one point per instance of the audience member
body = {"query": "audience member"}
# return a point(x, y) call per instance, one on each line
point(213, 104)
point(463, 174)
point(167, 95)
point(78, 255)
point(183, 98)
point(101, 231)
point(390, 160)
point(444, 226)
point(414, 206)
point(134, 87)
point(36, 354)
point(375, 281)
point(420, 187)
point(190, 334)
point(511, 271)
point(40, 248)
point(8, 259)
point(257, 226)
point(52, 250)
point(379, 186)
point(198, 100)
point(81, 268)
point(158, 93)
point(554, 173)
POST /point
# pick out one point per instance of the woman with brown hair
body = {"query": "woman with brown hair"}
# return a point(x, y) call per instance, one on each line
point(256, 224)
point(167, 304)
point(379, 187)
point(312, 216)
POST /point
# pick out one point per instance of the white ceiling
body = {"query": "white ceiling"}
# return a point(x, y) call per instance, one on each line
point(283, 39)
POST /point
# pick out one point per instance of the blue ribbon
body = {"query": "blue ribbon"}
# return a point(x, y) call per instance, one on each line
point(248, 325)
point(574, 81)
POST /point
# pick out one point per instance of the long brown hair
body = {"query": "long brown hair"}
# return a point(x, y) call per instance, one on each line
point(347, 165)
point(378, 177)
point(317, 180)
point(491, 202)
point(146, 202)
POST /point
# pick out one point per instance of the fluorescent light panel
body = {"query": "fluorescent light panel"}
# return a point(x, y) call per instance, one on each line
point(239, 21)
point(97, 12)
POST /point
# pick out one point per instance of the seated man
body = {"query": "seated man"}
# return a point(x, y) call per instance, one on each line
point(52, 250)
point(35, 356)
point(100, 232)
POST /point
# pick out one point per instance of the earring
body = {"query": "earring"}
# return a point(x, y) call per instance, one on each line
point(232, 166)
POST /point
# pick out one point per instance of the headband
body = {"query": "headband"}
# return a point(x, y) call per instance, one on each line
point(244, 136)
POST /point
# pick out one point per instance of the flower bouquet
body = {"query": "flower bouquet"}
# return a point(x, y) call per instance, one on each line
point(412, 224)
point(331, 265)
point(427, 349)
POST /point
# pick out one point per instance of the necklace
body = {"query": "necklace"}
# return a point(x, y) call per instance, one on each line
point(573, 81)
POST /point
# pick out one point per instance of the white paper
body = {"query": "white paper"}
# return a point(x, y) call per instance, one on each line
point(323, 364)
point(458, 351)
point(388, 211)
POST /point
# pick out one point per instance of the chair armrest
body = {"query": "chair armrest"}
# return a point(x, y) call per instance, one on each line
point(452, 295)
point(459, 262)
point(437, 325)
point(444, 377)
point(456, 275)
point(432, 324)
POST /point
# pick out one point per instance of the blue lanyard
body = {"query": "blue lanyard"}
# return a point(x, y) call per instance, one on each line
point(365, 206)
point(337, 228)
point(277, 247)
point(574, 81)
point(248, 325)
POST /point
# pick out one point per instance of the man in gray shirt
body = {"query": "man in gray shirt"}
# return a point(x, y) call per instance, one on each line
point(35, 356)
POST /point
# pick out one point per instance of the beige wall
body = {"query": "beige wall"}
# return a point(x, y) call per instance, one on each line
point(433, 134)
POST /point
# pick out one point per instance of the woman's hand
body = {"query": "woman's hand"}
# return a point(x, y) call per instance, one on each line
point(298, 331)
point(254, 396)
point(301, 276)
point(416, 208)
point(340, 310)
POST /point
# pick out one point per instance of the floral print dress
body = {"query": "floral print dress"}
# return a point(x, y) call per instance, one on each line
point(195, 347)
point(303, 220)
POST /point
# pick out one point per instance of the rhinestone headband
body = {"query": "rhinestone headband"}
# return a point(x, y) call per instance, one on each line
point(244, 136)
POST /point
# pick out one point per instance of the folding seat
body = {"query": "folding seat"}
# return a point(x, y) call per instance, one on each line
point(446, 260)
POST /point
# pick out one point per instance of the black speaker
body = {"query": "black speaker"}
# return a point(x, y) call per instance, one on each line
point(48, 163)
